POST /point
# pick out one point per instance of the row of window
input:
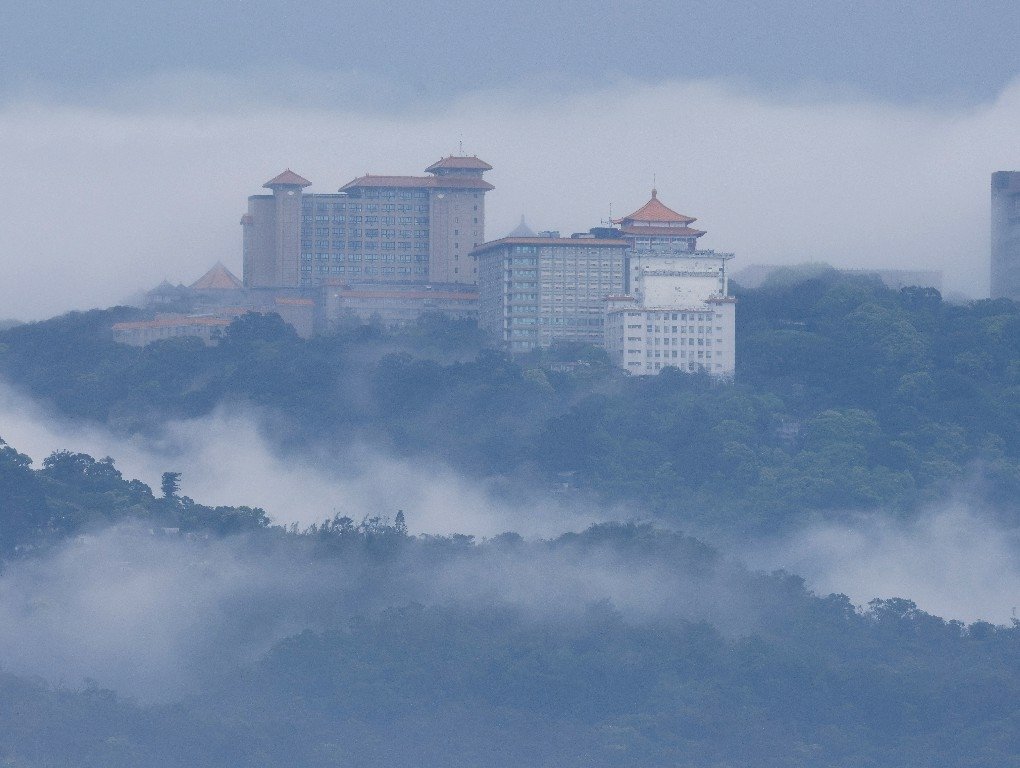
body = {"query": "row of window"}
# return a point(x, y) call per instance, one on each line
point(321, 231)
point(320, 208)
point(323, 257)
point(699, 317)
point(666, 353)
point(577, 322)
point(306, 226)
point(340, 232)
point(387, 193)
point(369, 270)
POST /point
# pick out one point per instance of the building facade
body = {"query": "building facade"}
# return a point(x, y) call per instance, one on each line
point(676, 309)
point(375, 229)
point(643, 340)
point(1005, 261)
point(535, 291)
point(394, 305)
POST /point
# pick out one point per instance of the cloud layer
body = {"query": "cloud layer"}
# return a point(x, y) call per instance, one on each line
point(954, 561)
point(101, 203)
point(225, 460)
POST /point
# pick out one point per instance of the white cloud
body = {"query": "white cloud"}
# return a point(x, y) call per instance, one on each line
point(955, 562)
point(99, 203)
point(225, 460)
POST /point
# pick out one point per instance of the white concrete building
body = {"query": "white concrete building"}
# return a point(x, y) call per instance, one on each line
point(677, 311)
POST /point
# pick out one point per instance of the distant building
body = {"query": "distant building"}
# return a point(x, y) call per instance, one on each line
point(654, 229)
point(380, 229)
point(219, 278)
point(676, 310)
point(534, 291)
point(210, 304)
point(139, 333)
point(394, 305)
point(1005, 271)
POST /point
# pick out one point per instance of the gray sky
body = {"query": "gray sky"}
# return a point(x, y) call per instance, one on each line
point(131, 135)
point(910, 50)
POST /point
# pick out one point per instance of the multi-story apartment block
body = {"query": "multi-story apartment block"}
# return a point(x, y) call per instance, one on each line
point(1005, 277)
point(534, 291)
point(698, 336)
point(676, 309)
point(375, 229)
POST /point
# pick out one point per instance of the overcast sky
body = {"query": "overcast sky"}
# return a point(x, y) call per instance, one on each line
point(864, 134)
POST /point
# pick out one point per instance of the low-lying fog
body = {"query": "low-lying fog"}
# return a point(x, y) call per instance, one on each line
point(954, 561)
point(224, 460)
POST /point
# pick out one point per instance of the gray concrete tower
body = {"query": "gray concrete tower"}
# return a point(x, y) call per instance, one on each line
point(1005, 277)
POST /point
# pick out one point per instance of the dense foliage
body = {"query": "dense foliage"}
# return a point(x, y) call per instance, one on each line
point(849, 396)
point(74, 493)
point(444, 651)
point(732, 668)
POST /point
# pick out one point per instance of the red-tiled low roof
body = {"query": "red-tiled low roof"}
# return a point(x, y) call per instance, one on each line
point(467, 163)
point(171, 322)
point(287, 179)
point(427, 182)
point(219, 278)
point(654, 210)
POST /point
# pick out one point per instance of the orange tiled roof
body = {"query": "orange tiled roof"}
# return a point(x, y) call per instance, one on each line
point(466, 163)
point(428, 182)
point(219, 278)
point(668, 231)
point(287, 179)
point(654, 210)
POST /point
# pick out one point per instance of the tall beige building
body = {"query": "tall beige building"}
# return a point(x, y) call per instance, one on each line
point(375, 229)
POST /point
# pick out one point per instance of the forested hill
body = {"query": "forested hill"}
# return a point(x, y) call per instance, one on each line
point(357, 644)
point(849, 396)
point(74, 493)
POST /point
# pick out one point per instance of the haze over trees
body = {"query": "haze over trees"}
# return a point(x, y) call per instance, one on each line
point(849, 397)
point(429, 651)
point(352, 642)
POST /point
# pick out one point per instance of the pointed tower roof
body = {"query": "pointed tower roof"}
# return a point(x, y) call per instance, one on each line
point(459, 163)
point(287, 179)
point(655, 211)
point(219, 278)
point(522, 230)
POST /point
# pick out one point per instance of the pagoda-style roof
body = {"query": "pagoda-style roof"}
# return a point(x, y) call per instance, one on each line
point(651, 231)
point(287, 179)
point(522, 230)
point(654, 212)
point(459, 163)
point(219, 278)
